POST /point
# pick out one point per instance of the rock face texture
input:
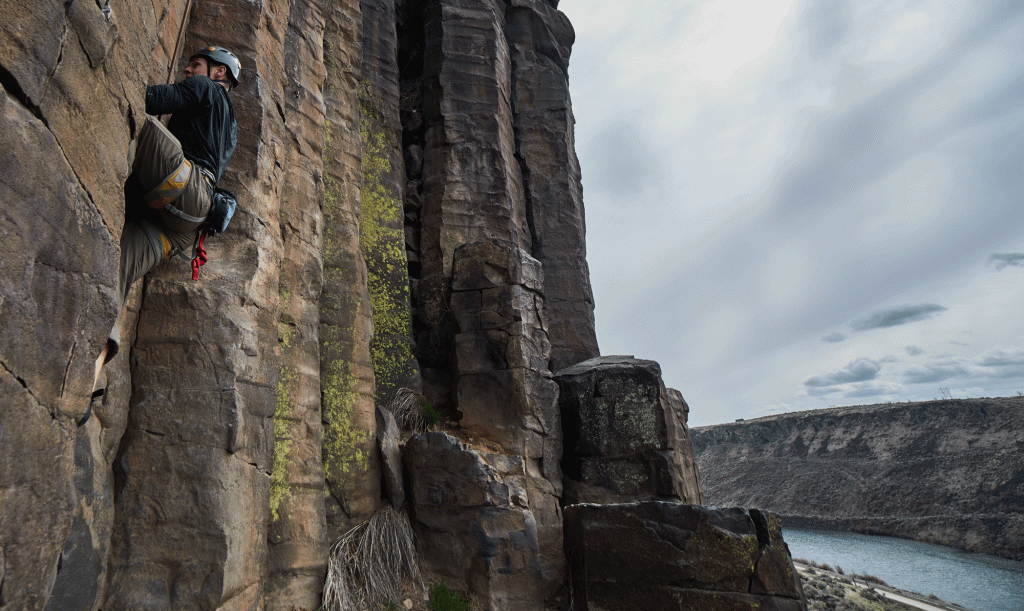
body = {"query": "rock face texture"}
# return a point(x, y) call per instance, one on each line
point(473, 521)
point(377, 137)
point(947, 472)
point(410, 226)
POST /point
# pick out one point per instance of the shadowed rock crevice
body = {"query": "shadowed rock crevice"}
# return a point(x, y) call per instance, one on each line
point(13, 88)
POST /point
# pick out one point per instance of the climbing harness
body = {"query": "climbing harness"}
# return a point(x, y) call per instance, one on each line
point(170, 189)
point(222, 208)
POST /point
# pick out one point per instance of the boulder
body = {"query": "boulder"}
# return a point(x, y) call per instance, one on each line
point(625, 434)
point(659, 555)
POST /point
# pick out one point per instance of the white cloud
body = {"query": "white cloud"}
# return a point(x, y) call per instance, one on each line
point(871, 392)
point(852, 156)
point(727, 34)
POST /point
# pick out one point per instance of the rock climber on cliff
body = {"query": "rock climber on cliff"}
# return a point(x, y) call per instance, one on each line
point(174, 174)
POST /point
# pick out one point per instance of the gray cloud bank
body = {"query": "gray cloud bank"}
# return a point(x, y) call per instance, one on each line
point(860, 370)
point(935, 372)
point(1009, 259)
point(896, 316)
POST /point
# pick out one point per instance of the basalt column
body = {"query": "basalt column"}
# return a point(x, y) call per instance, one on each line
point(472, 186)
point(540, 39)
point(347, 377)
point(194, 467)
point(505, 391)
point(297, 532)
point(382, 230)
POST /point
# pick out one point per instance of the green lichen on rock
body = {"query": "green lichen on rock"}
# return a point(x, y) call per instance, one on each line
point(280, 490)
point(636, 414)
point(382, 239)
point(332, 198)
point(343, 454)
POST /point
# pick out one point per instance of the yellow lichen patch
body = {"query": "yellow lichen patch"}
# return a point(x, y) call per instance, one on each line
point(280, 490)
point(332, 198)
point(382, 239)
point(344, 457)
point(342, 439)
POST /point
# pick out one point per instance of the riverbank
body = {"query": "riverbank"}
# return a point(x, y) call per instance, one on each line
point(828, 590)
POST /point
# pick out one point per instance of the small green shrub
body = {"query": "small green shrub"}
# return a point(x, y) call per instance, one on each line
point(430, 415)
point(443, 598)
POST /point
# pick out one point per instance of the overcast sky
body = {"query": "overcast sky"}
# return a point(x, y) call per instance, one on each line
point(797, 204)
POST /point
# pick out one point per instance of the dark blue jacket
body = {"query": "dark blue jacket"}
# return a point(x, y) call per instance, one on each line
point(202, 118)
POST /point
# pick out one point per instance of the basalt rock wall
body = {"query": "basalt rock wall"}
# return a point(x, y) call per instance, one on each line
point(236, 440)
point(947, 472)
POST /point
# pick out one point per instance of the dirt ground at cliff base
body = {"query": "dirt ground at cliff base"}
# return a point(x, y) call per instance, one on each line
point(831, 591)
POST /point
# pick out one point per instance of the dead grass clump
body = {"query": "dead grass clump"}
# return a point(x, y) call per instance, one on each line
point(870, 579)
point(408, 408)
point(368, 564)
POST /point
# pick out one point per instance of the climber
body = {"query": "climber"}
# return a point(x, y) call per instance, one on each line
point(174, 173)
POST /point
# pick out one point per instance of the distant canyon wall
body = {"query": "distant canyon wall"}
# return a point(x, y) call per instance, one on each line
point(948, 472)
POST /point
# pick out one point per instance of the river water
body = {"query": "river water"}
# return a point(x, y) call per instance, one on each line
point(975, 581)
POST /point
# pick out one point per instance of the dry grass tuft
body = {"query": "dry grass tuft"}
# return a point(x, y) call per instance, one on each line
point(368, 564)
point(407, 407)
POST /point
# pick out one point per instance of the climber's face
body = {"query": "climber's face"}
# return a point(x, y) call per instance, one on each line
point(200, 65)
point(197, 66)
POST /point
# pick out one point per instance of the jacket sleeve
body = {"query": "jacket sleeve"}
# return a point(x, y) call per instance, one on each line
point(167, 99)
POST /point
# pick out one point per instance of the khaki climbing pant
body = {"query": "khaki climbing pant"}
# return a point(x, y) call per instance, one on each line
point(176, 199)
